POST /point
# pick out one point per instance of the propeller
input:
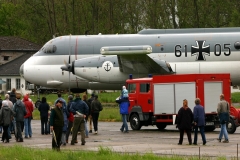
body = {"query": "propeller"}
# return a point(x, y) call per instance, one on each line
point(68, 66)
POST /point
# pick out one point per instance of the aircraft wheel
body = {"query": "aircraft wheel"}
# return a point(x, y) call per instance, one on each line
point(135, 122)
point(161, 126)
point(231, 127)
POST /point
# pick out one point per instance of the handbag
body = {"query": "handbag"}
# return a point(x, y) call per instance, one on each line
point(224, 117)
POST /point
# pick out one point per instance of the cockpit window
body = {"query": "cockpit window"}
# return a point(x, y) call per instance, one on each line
point(49, 49)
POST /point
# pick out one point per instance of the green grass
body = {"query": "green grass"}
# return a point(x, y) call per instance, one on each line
point(105, 97)
point(24, 153)
point(110, 107)
point(236, 97)
point(109, 114)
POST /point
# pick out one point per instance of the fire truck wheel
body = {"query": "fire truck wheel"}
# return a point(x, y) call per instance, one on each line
point(161, 126)
point(231, 127)
point(135, 122)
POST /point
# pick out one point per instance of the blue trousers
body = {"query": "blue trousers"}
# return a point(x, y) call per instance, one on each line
point(201, 132)
point(124, 125)
point(27, 127)
point(223, 131)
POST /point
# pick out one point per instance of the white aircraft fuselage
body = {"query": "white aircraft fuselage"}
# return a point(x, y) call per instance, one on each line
point(105, 61)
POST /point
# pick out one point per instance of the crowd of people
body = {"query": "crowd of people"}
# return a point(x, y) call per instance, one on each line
point(72, 117)
point(188, 120)
point(16, 116)
point(60, 121)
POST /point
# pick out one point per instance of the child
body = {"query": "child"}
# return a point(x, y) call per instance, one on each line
point(124, 92)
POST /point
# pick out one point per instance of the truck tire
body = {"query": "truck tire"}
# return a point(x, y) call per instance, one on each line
point(231, 127)
point(37, 103)
point(161, 126)
point(135, 122)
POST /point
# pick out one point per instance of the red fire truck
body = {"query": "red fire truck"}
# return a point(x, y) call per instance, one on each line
point(156, 100)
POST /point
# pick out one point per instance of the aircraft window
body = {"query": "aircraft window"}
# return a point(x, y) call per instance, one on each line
point(49, 49)
point(237, 45)
point(144, 88)
point(132, 88)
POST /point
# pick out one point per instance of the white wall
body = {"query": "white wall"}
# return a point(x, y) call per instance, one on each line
point(22, 89)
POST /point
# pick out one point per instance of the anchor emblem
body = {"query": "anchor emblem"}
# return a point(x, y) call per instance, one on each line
point(107, 65)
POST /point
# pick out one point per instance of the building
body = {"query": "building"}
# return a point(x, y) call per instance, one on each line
point(14, 52)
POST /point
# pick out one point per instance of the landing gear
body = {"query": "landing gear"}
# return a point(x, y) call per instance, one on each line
point(38, 102)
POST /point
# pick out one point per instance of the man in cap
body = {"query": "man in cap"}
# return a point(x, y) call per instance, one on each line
point(56, 124)
point(90, 116)
point(80, 111)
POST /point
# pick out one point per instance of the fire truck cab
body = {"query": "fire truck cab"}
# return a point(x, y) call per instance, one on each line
point(156, 100)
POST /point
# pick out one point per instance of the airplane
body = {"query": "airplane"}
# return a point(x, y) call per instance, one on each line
point(104, 62)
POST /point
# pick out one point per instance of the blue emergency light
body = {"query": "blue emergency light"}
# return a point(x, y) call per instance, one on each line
point(130, 76)
point(149, 75)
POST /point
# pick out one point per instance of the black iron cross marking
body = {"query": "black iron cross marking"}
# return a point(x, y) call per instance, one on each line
point(200, 50)
point(107, 67)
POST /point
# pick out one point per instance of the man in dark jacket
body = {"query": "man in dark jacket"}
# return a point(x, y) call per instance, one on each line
point(199, 121)
point(12, 96)
point(96, 107)
point(20, 110)
point(90, 116)
point(184, 122)
point(124, 104)
point(80, 111)
point(56, 124)
point(44, 108)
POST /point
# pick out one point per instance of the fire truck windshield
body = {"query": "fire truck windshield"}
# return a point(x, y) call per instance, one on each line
point(132, 88)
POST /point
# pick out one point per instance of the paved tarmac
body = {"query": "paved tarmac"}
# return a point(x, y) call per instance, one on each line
point(147, 140)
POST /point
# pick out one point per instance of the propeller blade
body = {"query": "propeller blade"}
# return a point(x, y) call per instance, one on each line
point(67, 67)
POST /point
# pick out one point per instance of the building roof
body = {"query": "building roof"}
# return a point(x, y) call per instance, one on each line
point(15, 44)
point(12, 68)
point(11, 43)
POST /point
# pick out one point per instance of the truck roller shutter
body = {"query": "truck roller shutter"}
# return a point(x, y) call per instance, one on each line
point(212, 91)
point(163, 98)
point(168, 98)
point(185, 91)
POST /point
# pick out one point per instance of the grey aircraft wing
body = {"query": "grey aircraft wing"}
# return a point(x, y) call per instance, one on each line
point(134, 59)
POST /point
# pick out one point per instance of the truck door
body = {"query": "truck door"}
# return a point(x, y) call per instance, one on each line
point(132, 94)
point(144, 97)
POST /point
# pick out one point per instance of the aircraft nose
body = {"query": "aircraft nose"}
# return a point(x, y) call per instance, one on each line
point(21, 70)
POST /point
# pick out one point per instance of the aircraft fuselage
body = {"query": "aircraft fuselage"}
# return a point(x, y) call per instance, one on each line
point(210, 51)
